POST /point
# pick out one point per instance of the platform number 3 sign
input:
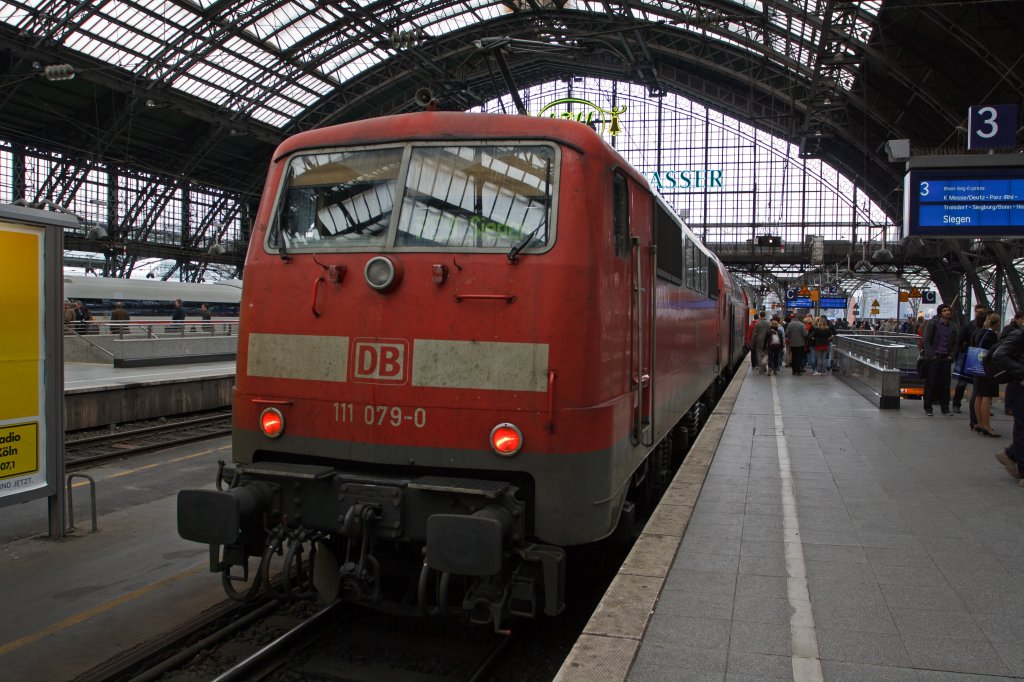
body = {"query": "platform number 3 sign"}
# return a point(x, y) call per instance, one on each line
point(992, 127)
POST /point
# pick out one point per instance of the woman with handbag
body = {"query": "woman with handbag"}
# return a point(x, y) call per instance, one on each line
point(985, 388)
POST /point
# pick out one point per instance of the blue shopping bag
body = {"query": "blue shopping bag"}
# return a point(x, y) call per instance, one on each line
point(973, 366)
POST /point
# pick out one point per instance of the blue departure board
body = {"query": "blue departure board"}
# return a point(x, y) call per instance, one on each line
point(982, 202)
point(832, 302)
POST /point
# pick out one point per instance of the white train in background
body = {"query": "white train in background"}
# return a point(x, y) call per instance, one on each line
point(153, 298)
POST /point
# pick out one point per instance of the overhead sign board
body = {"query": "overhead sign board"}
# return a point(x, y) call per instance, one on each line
point(958, 201)
point(800, 302)
point(833, 302)
point(992, 127)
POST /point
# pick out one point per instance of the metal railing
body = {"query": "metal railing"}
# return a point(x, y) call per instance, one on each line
point(888, 350)
point(879, 365)
point(153, 329)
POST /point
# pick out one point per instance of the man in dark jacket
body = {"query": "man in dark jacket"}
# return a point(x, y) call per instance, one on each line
point(938, 345)
point(1016, 323)
point(1009, 356)
point(796, 335)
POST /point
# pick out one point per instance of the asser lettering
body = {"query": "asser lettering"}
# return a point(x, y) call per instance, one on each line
point(686, 179)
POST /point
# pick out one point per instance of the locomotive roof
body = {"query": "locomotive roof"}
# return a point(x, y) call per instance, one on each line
point(456, 126)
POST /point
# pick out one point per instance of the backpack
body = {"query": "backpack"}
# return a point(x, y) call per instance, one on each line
point(993, 368)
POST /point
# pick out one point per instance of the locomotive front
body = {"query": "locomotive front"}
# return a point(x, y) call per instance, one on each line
point(396, 395)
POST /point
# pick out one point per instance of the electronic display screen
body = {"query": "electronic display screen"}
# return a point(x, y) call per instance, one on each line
point(973, 202)
point(833, 302)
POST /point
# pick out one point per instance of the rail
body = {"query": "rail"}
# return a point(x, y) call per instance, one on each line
point(71, 503)
point(879, 365)
point(98, 347)
point(153, 329)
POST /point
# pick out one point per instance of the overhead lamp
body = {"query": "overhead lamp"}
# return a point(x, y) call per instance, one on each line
point(96, 233)
point(883, 254)
point(59, 72)
point(216, 249)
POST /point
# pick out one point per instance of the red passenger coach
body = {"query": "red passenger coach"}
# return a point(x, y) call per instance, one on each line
point(467, 341)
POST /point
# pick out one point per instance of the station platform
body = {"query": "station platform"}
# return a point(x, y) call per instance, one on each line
point(809, 536)
point(73, 604)
point(99, 394)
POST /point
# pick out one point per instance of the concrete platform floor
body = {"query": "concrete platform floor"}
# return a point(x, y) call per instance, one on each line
point(69, 605)
point(830, 540)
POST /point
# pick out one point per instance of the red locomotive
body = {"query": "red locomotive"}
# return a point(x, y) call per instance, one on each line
point(467, 341)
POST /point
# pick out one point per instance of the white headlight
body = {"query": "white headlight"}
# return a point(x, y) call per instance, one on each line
point(380, 273)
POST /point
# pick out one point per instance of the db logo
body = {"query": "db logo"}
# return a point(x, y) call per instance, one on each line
point(379, 360)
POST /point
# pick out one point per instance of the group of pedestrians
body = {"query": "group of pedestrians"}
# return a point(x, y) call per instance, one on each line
point(943, 341)
point(79, 319)
point(774, 344)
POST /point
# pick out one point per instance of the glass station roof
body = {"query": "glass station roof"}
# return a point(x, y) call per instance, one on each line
point(274, 60)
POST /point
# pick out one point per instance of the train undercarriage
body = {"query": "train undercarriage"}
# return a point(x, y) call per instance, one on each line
point(427, 545)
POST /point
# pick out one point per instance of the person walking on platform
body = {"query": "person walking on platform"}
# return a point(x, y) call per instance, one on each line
point(938, 343)
point(981, 311)
point(748, 338)
point(1009, 356)
point(773, 345)
point(757, 341)
point(204, 312)
point(821, 337)
point(178, 315)
point(810, 359)
point(985, 388)
point(119, 314)
point(69, 317)
point(796, 335)
point(83, 319)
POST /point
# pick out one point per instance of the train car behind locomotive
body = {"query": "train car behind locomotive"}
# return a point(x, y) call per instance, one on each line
point(467, 341)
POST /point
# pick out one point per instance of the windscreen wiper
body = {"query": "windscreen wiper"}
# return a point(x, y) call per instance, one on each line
point(521, 244)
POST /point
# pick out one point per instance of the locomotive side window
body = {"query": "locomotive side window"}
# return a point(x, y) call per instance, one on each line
point(337, 199)
point(670, 246)
point(702, 273)
point(492, 197)
point(693, 268)
point(713, 288)
point(620, 214)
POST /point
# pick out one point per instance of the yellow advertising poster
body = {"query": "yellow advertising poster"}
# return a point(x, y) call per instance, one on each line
point(19, 449)
point(21, 350)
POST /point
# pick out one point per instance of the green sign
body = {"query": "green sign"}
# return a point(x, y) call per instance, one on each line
point(589, 114)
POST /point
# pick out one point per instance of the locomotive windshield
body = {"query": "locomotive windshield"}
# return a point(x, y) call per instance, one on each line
point(488, 197)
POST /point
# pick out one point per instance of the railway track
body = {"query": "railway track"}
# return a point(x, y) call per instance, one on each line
point(85, 449)
point(302, 641)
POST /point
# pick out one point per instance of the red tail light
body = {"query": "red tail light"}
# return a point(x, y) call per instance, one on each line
point(506, 439)
point(272, 422)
